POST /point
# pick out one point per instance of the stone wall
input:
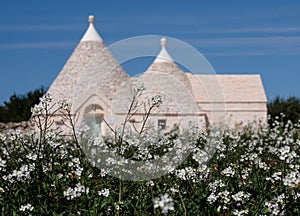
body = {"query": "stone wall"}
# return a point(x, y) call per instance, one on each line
point(25, 126)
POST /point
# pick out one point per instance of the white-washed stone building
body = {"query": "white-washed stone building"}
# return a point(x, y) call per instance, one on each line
point(99, 89)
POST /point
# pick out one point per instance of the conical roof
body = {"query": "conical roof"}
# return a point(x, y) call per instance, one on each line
point(164, 63)
point(90, 68)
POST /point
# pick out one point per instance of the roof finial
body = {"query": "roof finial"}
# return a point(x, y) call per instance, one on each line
point(91, 33)
point(163, 42)
point(91, 19)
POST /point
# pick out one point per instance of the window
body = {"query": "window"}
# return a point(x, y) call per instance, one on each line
point(162, 124)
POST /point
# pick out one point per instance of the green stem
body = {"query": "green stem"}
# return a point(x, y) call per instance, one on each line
point(120, 196)
point(146, 118)
point(182, 203)
point(131, 107)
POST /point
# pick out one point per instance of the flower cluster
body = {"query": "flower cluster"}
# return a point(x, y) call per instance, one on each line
point(2, 165)
point(164, 202)
point(63, 104)
point(276, 206)
point(156, 100)
point(104, 192)
point(46, 99)
point(76, 170)
point(19, 175)
point(77, 191)
point(28, 207)
point(139, 87)
point(36, 110)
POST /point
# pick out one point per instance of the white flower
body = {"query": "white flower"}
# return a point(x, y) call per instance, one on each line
point(216, 184)
point(261, 164)
point(60, 175)
point(221, 147)
point(15, 135)
point(2, 138)
point(150, 183)
point(165, 202)
point(103, 173)
point(229, 171)
point(36, 110)
point(28, 207)
point(276, 205)
point(78, 172)
point(46, 99)
point(118, 205)
point(200, 156)
point(212, 198)
point(31, 156)
point(241, 212)
point(23, 173)
point(174, 189)
point(2, 164)
point(241, 196)
point(277, 176)
point(292, 179)
point(72, 193)
point(245, 172)
point(104, 192)
point(63, 104)
point(224, 195)
point(283, 152)
point(156, 100)
point(76, 160)
point(252, 156)
point(140, 87)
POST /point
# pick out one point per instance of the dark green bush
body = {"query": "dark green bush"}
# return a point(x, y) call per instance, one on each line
point(290, 107)
point(17, 109)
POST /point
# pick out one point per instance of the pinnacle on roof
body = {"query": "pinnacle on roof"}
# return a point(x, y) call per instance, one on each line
point(164, 67)
point(163, 56)
point(163, 61)
point(91, 33)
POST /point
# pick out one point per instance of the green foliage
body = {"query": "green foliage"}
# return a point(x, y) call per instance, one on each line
point(18, 107)
point(289, 107)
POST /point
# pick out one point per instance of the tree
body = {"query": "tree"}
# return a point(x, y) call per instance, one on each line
point(289, 107)
point(18, 107)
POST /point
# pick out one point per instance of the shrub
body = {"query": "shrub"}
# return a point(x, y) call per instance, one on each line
point(252, 172)
point(17, 109)
point(286, 109)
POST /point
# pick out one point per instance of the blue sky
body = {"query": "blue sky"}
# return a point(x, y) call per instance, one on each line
point(236, 37)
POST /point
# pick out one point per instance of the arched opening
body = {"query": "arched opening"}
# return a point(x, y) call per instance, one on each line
point(93, 118)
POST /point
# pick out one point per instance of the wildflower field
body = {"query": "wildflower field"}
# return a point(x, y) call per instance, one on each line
point(254, 171)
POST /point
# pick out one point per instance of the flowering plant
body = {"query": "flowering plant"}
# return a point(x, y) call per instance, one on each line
point(254, 171)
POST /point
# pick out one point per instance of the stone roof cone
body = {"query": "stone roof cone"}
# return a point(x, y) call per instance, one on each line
point(164, 63)
point(91, 66)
